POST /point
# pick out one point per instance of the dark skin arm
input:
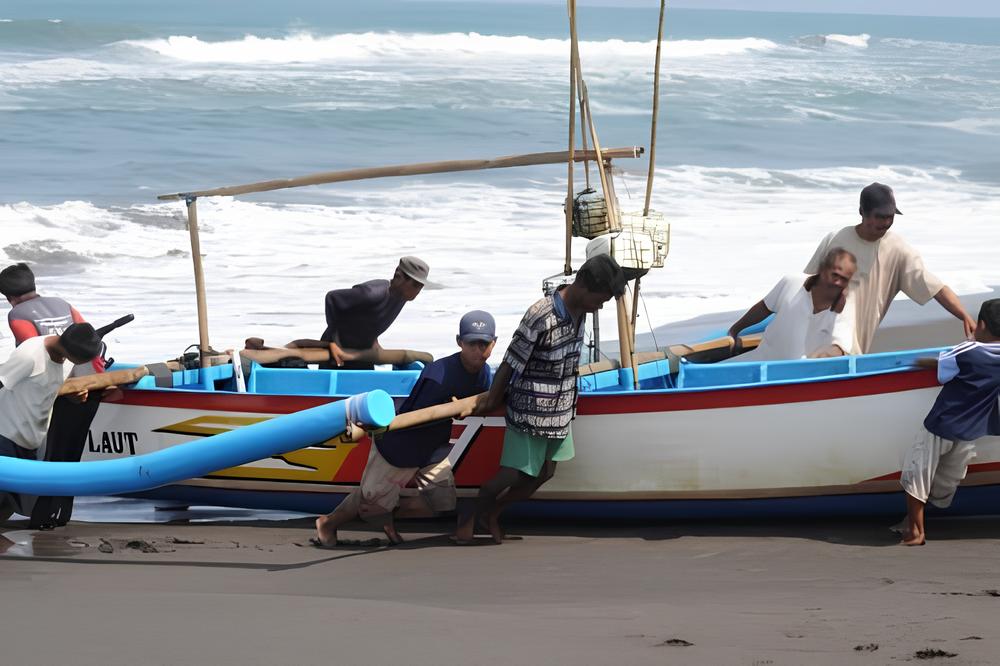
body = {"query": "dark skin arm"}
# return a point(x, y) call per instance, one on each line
point(498, 389)
point(754, 315)
point(926, 363)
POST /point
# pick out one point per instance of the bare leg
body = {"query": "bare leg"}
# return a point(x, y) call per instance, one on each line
point(488, 493)
point(346, 511)
point(914, 534)
point(522, 490)
point(389, 527)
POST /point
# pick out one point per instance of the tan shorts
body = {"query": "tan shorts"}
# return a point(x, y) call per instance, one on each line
point(934, 467)
point(382, 485)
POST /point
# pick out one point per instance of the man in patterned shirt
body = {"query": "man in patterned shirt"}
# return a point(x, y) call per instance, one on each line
point(539, 377)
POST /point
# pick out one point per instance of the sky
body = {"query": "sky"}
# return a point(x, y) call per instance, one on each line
point(990, 8)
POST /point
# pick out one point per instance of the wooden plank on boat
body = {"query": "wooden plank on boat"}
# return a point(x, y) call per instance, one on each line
point(322, 355)
point(103, 380)
point(531, 159)
point(708, 351)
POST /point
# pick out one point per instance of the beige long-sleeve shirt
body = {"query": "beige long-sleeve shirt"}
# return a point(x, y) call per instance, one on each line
point(885, 268)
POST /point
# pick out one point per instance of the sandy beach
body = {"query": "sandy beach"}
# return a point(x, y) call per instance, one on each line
point(257, 593)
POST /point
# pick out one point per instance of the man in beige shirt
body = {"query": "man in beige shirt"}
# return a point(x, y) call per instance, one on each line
point(887, 265)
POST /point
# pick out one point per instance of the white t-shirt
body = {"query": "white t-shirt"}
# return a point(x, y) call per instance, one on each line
point(885, 268)
point(796, 331)
point(31, 381)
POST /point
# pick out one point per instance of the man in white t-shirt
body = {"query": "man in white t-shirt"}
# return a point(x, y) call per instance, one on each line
point(813, 316)
point(887, 265)
point(29, 383)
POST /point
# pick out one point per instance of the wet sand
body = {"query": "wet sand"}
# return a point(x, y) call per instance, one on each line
point(256, 593)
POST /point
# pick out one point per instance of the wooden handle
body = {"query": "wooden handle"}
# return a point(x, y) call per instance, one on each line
point(456, 409)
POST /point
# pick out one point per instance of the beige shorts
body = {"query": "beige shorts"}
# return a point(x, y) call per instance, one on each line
point(382, 486)
point(934, 467)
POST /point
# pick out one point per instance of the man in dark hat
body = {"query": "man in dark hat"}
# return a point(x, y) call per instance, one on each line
point(887, 265)
point(32, 315)
point(355, 317)
point(29, 382)
point(538, 383)
point(420, 453)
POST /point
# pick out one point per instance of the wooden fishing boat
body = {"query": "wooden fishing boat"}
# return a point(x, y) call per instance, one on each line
point(655, 436)
point(802, 437)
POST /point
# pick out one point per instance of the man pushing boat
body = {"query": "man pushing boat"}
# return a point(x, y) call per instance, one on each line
point(538, 383)
point(29, 382)
point(355, 317)
point(418, 453)
point(887, 265)
point(966, 409)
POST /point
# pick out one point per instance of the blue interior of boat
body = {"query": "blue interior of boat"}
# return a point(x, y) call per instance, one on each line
point(653, 376)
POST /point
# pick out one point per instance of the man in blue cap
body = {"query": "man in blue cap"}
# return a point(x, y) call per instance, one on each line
point(418, 453)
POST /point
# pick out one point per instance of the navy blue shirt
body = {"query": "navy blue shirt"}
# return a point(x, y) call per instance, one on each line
point(967, 407)
point(355, 317)
point(442, 379)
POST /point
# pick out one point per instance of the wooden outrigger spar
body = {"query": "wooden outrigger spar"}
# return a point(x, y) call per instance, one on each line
point(347, 175)
point(419, 169)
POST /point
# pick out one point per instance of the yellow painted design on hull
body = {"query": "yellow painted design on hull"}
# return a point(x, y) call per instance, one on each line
point(319, 462)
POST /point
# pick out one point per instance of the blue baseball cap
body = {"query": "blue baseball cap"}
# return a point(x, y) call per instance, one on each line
point(477, 325)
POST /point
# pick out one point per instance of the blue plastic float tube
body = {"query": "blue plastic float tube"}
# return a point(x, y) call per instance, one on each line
point(192, 459)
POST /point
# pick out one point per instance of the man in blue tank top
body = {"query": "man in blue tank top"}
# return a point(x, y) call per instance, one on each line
point(967, 408)
point(419, 453)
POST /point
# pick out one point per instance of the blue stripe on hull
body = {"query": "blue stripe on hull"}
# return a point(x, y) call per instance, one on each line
point(978, 500)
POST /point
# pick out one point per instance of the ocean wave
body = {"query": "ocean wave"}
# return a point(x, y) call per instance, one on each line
point(308, 48)
point(253, 264)
point(855, 41)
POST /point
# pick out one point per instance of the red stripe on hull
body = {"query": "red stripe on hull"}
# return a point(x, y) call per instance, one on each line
point(674, 401)
point(589, 404)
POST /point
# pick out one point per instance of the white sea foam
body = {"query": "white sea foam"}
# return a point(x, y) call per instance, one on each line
point(858, 41)
point(735, 230)
point(307, 48)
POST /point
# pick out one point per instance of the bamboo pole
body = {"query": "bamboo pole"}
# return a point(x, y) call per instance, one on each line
point(530, 159)
point(600, 157)
point(656, 113)
point(456, 409)
point(624, 349)
point(568, 266)
point(199, 280)
point(575, 56)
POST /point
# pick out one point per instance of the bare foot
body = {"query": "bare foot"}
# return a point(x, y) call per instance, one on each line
point(392, 535)
point(493, 525)
point(464, 531)
point(911, 538)
point(325, 536)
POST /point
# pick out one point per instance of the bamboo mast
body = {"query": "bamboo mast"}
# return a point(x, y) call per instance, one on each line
point(656, 112)
point(568, 266)
point(652, 152)
point(575, 57)
point(199, 280)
